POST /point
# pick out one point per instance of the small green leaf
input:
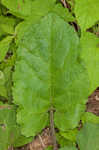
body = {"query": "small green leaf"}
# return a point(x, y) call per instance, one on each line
point(63, 12)
point(0, 9)
point(88, 137)
point(8, 83)
point(90, 55)
point(7, 24)
point(4, 46)
point(7, 126)
point(27, 8)
point(49, 148)
point(90, 117)
point(3, 10)
point(21, 140)
point(70, 134)
point(86, 13)
point(9, 131)
point(19, 8)
point(68, 148)
point(3, 91)
point(63, 141)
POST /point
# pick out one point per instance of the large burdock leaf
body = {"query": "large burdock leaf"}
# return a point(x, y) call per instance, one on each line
point(48, 75)
point(87, 13)
point(88, 137)
point(56, 8)
point(90, 55)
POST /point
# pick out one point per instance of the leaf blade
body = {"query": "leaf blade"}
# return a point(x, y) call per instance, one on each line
point(47, 78)
point(82, 11)
point(4, 46)
point(90, 55)
point(85, 137)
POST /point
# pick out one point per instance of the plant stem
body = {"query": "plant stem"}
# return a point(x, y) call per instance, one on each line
point(43, 145)
point(53, 130)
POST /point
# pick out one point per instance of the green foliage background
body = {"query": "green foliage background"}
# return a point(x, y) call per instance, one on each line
point(49, 59)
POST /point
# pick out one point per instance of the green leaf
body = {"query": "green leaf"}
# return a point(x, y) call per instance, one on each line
point(1, 34)
point(58, 9)
point(90, 117)
point(9, 131)
point(3, 91)
point(48, 74)
point(19, 8)
point(63, 141)
point(86, 13)
point(7, 126)
point(70, 134)
point(71, 4)
point(0, 10)
point(21, 140)
point(68, 148)
point(7, 24)
point(22, 27)
point(90, 55)
point(8, 82)
point(88, 137)
point(69, 119)
point(49, 148)
point(40, 9)
point(4, 46)
point(63, 12)
point(27, 8)
point(3, 9)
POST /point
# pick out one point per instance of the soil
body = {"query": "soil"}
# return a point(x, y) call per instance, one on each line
point(93, 102)
point(40, 142)
point(43, 140)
